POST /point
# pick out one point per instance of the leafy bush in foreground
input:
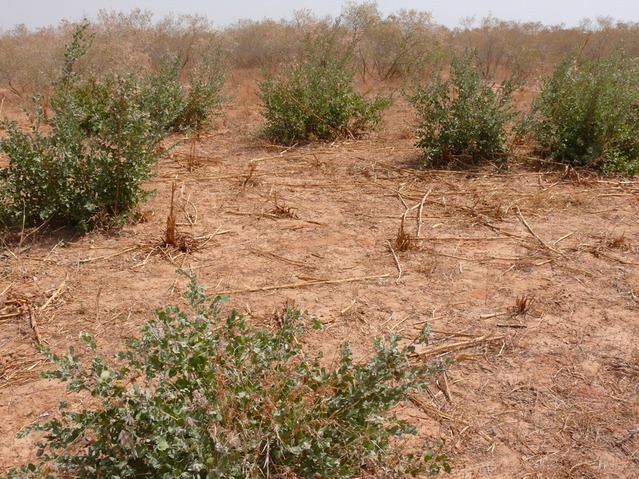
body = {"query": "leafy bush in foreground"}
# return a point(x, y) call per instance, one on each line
point(316, 100)
point(464, 116)
point(587, 114)
point(206, 397)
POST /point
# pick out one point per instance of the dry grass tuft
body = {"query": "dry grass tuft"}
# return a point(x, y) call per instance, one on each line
point(523, 304)
point(618, 242)
point(404, 241)
point(182, 242)
point(192, 158)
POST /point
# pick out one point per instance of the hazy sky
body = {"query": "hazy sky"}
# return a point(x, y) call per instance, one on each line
point(38, 13)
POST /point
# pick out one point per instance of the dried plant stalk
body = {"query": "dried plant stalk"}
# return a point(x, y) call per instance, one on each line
point(404, 241)
point(170, 234)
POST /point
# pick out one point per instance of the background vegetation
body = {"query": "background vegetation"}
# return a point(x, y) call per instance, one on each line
point(385, 47)
point(464, 116)
point(587, 114)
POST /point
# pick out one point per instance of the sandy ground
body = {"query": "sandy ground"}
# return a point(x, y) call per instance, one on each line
point(528, 278)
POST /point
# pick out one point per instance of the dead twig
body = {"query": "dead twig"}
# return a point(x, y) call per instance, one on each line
point(444, 387)
point(400, 322)
point(536, 236)
point(399, 266)
point(281, 210)
point(3, 295)
point(285, 260)
point(445, 348)
point(34, 324)
point(249, 180)
point(449, 333)
point(108, 256)
point(419, 213)
point(54, 295)
point(345, 310)
point(303, 284)
point(493, 315)
point(403, 241)
point(460, 238)
point(170, 233)
point(427, 408)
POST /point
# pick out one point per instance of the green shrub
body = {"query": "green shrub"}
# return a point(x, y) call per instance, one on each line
point(179, 107)
point(464, 116)
point(206, 397)
point(88, 169)
point(316, 100)
point(203, 97)
point(86, 166)
point(587, 114)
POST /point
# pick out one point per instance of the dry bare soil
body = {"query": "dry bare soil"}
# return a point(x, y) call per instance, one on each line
point(528, 278)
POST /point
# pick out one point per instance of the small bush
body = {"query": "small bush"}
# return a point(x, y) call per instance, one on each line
point(316, 100)
point(88, 170)
point(179, 107)
point(206, 397)
point(464, 116)
point(587, 114)
point(85, 166)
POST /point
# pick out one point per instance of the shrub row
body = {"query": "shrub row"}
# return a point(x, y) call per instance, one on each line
point(87, 167)
point(585, 114)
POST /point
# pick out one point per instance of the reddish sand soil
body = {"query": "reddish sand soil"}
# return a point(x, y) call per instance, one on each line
point(528, 278)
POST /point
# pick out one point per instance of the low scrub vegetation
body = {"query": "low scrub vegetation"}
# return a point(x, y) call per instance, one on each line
point(89, 149)
point(464, 116)
point(587, 114)
point(180, 107)
point(316, 100)
point(210, 397)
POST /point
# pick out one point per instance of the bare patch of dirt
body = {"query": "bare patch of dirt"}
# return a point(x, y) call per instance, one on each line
point(528, 279)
